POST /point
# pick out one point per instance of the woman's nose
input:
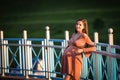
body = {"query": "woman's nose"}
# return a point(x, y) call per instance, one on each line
point(77, 26)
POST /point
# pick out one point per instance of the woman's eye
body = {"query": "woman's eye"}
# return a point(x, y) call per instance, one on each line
point(78, 24)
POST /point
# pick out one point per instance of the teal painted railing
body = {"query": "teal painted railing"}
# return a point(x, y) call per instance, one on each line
point(18, 57)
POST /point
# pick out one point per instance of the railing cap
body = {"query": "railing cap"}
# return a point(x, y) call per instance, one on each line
point(110, 30)
point(1, 34)
point(47, 28)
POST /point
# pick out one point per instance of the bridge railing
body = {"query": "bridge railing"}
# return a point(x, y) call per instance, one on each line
point(20, 55)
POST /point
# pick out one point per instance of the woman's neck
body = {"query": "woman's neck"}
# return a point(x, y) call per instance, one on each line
point(79, 32)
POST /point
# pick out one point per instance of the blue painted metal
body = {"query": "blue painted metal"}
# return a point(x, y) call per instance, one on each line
point(113, 64)
point(98, 59)
point(84, 72)
point(97, 67)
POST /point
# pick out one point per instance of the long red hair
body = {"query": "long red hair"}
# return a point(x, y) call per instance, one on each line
point(85, 30)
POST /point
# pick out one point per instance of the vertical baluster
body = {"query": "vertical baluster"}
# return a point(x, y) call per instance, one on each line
point(20, 57)
point(44, 56)
point(66, 36)
point(47, 52)
point(111, 61)
point(6, 56)
point(2, 54)
point(29, 57)
point(25, 53)
point(51, 53)
point(97, 64)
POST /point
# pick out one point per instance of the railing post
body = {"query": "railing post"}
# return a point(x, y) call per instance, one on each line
point(97, 60)
point(25, 53)
point(66, 37)
point(110, 35)
point(111, 61)
point(47, 52)
point(2, 60)
point(96, 38)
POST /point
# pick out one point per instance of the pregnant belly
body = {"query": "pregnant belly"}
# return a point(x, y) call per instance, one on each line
point(70, 50)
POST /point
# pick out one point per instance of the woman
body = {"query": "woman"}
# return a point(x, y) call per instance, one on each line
point(78, 44)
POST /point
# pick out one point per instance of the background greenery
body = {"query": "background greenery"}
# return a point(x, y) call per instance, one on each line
point(59, 15)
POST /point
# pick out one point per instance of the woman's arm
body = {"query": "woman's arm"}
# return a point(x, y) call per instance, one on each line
point(90, 45)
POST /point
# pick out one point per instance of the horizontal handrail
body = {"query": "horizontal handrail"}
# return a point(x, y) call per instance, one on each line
point(115, 46)
point(107, 54)
point(117, 55)
point(102, 44)
point(34, 45)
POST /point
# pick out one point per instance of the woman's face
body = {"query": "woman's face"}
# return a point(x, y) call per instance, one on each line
point(79, 26)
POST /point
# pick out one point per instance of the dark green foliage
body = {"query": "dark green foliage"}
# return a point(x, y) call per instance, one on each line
point(34, 16)
point(98, 24)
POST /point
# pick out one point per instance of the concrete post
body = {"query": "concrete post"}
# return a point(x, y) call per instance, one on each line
point(66, 37)
point(25, 53)
point(111, 61)
point(97, 60)
point(110, 35)
point(47, 52)
point(2, 60)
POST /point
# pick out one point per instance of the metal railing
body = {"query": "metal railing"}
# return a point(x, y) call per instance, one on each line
point(18, 57)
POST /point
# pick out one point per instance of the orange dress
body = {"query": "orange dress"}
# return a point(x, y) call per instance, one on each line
point(72, 62)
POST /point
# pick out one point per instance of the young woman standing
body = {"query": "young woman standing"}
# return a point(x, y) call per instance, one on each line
point(80, 43)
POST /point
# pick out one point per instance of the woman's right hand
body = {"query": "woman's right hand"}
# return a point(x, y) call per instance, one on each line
point(78, 51)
